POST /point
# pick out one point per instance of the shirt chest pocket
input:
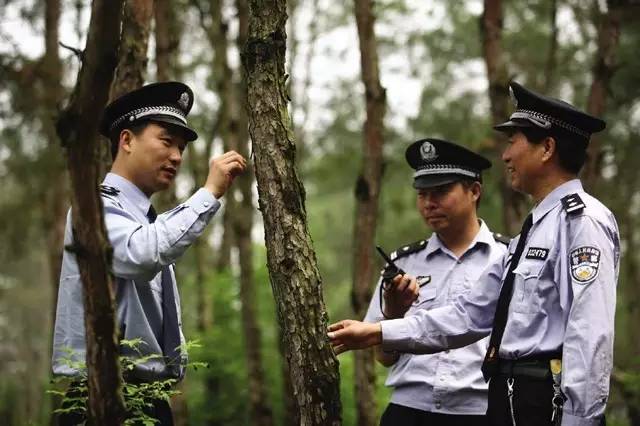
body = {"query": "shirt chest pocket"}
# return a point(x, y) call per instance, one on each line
point(526, 280)
point(427, 298)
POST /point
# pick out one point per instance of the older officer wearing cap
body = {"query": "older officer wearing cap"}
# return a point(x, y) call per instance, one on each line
point(148, 131)
point(549, 304)
point(446, 388)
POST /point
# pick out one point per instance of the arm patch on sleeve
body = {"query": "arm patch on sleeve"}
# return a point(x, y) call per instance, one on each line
point(585, 263)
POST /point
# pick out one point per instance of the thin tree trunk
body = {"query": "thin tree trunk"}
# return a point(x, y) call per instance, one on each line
point(224, 84)
point(167, 32)
point(550, 66)
point(305, 102)
point(132, 64)
point(292, 264)
point(78, 130)
point(56, 199)
point(514, 206)
point(367, 193)
point(167, 37)
point(603, 69)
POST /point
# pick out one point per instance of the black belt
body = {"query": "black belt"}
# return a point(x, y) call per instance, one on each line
point(533, 368)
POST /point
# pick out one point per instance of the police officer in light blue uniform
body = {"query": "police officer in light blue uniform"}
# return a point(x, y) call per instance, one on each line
point(446, 388)
point(550, 303)
point(148, 132)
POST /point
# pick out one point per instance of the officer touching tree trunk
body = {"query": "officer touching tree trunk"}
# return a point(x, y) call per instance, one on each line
point(549, 304)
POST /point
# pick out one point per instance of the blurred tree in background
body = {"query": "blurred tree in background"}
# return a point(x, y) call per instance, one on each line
point(433, 63)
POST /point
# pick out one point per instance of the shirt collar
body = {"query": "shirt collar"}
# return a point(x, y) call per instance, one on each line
point(131, 192)
point(484, 236)
point(553, 198)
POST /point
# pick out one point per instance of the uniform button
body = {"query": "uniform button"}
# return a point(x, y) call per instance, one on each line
point(206, 204)
point(442, 379)
point(438, 405)
point(182, 229)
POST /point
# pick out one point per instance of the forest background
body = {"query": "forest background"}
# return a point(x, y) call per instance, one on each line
point(443, 69)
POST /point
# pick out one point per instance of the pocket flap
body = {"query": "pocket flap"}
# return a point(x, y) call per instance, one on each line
point(528, 269)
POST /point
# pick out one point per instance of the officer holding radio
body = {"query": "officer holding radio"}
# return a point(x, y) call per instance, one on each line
point(443, 388)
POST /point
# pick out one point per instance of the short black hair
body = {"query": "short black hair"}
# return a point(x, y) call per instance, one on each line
point(467, 183)
point(572, 150)
point(114, 136)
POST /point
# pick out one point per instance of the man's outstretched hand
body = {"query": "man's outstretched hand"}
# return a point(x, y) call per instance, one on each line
point(349, 334)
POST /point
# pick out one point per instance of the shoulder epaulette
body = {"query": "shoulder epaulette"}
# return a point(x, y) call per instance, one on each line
point(108, 190)
point(572, 204)
point(408, 249)
point(501, 238)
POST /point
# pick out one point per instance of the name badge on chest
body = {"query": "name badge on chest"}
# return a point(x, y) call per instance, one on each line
point(537, 253)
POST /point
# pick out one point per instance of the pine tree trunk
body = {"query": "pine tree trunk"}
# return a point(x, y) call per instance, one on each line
point(603, 69)
point(132, 64)
point(292, 264)
point(78, 130)
point(514, 207)
point(367, 193)
point(167, 33)
point(55, 200)
point(552, 60)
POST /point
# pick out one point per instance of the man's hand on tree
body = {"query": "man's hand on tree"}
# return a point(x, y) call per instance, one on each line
point(349, 334)
point(222, 171)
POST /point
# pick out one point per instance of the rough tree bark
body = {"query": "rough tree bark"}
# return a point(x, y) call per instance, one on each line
point(367, 193)
point(603, 69)
point(78, 131)
point(295, 279)
point(132, 64)
point(514, 206)
point(291, 415)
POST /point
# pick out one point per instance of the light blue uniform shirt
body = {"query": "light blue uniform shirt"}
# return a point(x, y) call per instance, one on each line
point(564, 297)
point(140, 251)
point(447, 382)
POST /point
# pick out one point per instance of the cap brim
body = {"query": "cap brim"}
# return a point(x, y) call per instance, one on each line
point(426, 182)
point(189, 134)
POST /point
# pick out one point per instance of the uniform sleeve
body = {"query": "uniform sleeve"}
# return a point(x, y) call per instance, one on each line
point(590, 276)
point(141, 250)
point(374, 314)
point(468, 319)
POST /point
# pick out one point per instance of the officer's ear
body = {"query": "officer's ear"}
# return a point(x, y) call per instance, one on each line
point(549, 148)
point(124, 141)
point(476, 190)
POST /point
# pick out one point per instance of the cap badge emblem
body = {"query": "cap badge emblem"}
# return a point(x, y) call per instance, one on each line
point(428, 151)
point(183, 101)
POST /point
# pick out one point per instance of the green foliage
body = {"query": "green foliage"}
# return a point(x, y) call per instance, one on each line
point(138, 396)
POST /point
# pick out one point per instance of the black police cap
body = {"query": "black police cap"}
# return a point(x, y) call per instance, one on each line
point(536, 110)
point(439, 162)
point(166, 102)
